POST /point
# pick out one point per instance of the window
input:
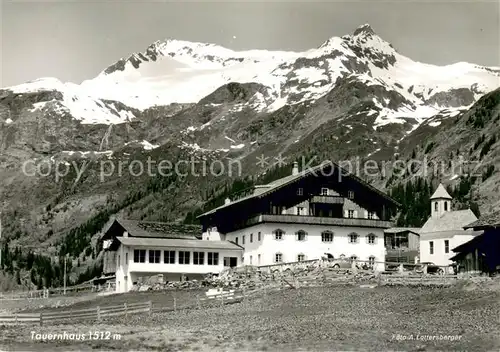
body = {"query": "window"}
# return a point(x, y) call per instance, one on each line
point(300, 191)
point(184, 257)
point(436, 205)
point(278, 234)
point(154, 256)
point(446, 246)
point(119, 263)
point(371, 238)
point(327, 236)
point(169, 257)
point(371, 260)
point(250, 260)
point(236, 240)
point(301, 235)
point(258, 237)
point(258, 259)
point(198, 258)
point(353, 237)
point(431, 247)
point(300, 210)
point(139, 256)
point(278, 258)
point(324, 191)
point(350, 214)
point(445, 206)
point(243, 240)
point(350, 194)
point(251, 238)
point(353, 257)
point(301, 257)
point(371, 215)
point(126, 258)
point(213, 258)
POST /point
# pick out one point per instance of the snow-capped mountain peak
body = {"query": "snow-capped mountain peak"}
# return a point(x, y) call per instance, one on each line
point(179, 71)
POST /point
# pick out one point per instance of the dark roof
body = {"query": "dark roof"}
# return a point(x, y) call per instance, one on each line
point(151, 229)
point(179, 243)
point(414, 230)
point(277, 184)
point(490, 220)
point(488, 241)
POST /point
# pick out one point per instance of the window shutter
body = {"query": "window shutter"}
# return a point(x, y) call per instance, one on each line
point(346, 213)
point(355, 213)
point(296, 236)
point(366, 214)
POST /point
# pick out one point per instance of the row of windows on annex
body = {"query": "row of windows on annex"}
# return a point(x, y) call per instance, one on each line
point(446, 246)
point(326, 236)
point(173, 257)
point(279, 258)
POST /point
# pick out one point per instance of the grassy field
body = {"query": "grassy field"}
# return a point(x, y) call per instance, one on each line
point(308, 319)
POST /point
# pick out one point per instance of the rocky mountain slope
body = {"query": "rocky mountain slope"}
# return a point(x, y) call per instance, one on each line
point(354, 97)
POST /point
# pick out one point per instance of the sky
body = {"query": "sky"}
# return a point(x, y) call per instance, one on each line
point(76, 40)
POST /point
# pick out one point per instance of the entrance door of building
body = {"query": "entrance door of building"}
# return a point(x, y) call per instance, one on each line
point(231, 261)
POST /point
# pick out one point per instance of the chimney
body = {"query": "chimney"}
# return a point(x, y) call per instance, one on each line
point(227, 201)
point(295, 169)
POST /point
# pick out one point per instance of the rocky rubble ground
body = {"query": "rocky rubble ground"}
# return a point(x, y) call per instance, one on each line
point(317, 274)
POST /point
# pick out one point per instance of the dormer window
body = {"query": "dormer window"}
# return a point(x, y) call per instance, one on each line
point(445, 206)
point(324, 191)
point(436, 206)
point(350, 214)
point(350, 194)
point(300, 191)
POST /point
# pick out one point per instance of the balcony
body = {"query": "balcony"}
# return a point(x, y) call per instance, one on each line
point(316, 220)
point(327, 200)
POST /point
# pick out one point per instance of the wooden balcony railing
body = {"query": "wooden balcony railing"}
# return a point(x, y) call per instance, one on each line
point(316, 220)
point(327, 199)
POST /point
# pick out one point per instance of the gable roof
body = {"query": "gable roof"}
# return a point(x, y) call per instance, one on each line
point(449, 221)
point(490, 220)
point(441, 192)
point(277, 184)
point(448, 234)
point(152, 229)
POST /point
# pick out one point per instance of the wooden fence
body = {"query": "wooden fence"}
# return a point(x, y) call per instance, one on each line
point(46, 293)
point(96, 314)
point(91, 314)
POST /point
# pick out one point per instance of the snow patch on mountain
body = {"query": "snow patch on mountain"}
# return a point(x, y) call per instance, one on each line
point(83, 107)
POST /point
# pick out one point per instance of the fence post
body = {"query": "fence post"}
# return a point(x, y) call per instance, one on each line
point(222, 299)
point(41, 319)
point(244, 294)
point(150, 310)
point(15, 315)
point(98, 313)
point(198, 301)
point(126, 309)
point(175, 304)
